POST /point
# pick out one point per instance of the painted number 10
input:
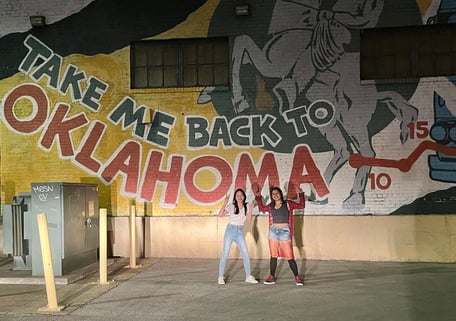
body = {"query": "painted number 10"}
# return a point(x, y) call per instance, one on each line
point(380, 181)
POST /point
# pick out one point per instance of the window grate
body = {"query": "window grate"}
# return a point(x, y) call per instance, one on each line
point(180, 63)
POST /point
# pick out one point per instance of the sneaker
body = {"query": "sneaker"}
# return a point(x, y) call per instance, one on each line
point(269, 280)
point(251, 279)
point(299, 280)
point(221, 280)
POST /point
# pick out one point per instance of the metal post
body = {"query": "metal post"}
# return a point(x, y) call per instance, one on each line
point(17, 230)
point(132, 236)
point(47, 265)
point(103, 247)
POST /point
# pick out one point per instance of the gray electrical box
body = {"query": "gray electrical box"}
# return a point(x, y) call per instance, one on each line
point(18, 231)
point(72, 216)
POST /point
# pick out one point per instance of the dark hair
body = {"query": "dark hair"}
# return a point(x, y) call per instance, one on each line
point(275, 188)
point(236, 207)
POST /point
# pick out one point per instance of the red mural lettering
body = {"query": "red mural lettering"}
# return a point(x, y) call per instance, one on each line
point(38, 97)
point(268, 171)
point(303, 161)
point(127, 163)
point(209, 162)
point(153, 174)
point(61, 128)
point(88, 145)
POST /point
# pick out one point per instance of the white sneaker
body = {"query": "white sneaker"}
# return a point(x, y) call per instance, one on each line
point(221, 280)
point(251, 279)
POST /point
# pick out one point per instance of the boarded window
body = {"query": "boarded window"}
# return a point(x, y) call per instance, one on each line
point(180, 63)
point(408, 52)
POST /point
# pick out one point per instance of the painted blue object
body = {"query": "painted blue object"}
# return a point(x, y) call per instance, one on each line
point(442, 167)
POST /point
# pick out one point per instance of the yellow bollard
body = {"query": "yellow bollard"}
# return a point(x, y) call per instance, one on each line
point(47, 265)
point(132, 237)
point(103, 246)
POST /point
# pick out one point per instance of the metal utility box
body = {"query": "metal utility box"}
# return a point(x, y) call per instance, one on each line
point(18, 231)
point(72, 216)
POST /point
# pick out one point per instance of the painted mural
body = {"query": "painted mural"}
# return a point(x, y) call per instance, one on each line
point(296, 112)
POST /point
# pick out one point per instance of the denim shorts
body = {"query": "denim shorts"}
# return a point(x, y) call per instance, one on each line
point(279, 233)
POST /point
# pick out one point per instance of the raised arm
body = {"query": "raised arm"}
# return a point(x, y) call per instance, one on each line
point(292, 205)
point(259, 201)
point(222, 211)
point(249, 211)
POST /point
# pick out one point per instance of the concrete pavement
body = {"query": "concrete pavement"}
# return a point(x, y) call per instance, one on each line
point(187, 289)
point(22, 293)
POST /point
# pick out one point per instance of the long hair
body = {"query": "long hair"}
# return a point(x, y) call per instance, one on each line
point(236, 207)
point(275, 188)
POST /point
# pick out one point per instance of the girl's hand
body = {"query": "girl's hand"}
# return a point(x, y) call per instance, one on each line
point(256, 189)
point(222, 210)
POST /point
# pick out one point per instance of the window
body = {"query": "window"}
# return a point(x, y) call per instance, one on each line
point(408, 52)
point(180, 63)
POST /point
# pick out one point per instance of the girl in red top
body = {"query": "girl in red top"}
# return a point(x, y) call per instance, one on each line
point(281, 229)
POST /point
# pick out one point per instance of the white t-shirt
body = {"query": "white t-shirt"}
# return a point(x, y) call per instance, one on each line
point(235, 219)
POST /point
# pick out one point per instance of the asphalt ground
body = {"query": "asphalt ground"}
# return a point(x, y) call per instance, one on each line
point(187, 289)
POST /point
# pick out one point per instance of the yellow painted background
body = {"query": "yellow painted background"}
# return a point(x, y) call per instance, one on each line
point(24, 162)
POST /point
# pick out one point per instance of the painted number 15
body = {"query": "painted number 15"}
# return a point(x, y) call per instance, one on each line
point(418, 129)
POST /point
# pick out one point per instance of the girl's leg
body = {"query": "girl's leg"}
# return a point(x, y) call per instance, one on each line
point(287, 249)
point(227, 240)
point(240, 240)
point(274, 251)
point(293, 267)
point(274, 248)
point(273, 265)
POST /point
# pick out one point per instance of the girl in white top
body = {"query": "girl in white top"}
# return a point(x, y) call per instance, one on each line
point(238, 213)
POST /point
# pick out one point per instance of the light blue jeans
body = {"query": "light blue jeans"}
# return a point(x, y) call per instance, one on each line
point(234, 234)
